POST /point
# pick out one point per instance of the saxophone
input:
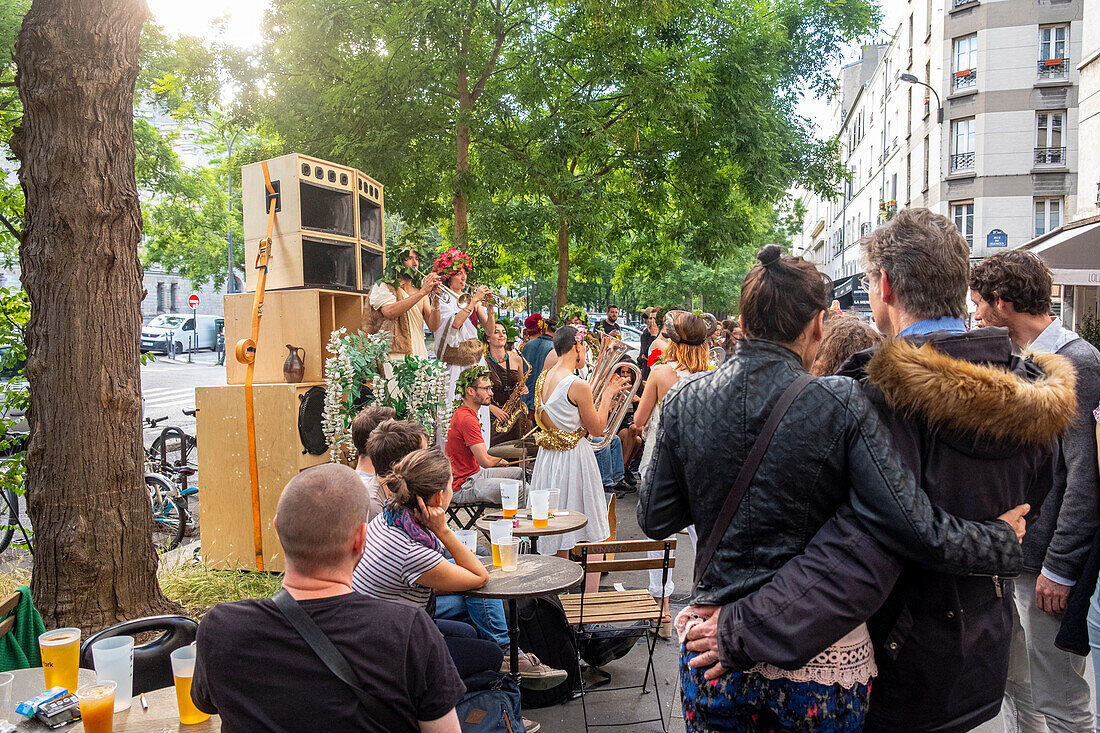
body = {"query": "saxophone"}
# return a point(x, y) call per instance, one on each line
point(513, 408)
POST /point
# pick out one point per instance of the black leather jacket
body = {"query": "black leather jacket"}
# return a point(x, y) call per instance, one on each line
point(829, 449)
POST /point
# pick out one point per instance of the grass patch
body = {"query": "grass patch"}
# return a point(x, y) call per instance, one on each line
point(197, 587)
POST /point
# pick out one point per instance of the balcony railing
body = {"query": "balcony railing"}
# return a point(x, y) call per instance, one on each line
point(1050, 156)
point(962, 162)
point(965, 79)
point(1053, 68)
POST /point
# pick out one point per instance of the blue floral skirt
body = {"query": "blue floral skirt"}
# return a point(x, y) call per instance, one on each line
point(751, 702)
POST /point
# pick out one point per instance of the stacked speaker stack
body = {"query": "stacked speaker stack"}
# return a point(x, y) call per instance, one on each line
point(327, 251)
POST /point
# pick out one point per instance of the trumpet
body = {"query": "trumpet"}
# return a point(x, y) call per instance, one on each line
point(501, 301)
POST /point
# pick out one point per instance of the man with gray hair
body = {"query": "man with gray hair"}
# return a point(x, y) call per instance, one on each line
point(258, 672)
point(978, 426)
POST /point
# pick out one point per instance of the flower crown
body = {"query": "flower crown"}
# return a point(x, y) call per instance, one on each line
point(581, 333)
point(451, 261)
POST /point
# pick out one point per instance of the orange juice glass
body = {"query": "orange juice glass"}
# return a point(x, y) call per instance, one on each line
point(60, 650)
point(183, 670)
point(97, 706)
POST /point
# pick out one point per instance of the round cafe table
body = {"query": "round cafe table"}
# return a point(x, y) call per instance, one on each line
point(523, 526)
point(161, 717)
point(535, 575)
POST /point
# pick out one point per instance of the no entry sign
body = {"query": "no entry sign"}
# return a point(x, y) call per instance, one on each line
point(193, 301)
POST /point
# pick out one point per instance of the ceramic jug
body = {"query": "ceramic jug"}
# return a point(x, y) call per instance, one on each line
point(294, 368)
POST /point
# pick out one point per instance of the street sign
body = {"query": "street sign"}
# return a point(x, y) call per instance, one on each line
point(996, 238)
point(193, 301)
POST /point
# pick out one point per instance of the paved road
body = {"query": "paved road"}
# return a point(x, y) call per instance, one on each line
point(168, 387)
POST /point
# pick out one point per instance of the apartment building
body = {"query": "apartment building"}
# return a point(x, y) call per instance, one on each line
point(970, 110)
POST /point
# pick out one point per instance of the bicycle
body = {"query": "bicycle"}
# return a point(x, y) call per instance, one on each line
point(166, 483)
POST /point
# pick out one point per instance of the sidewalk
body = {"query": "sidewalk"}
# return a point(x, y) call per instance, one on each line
point(623, 706)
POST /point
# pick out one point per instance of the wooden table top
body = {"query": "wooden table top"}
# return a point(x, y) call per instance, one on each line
point(535, 575)
point(560, 523)
point(161, 717)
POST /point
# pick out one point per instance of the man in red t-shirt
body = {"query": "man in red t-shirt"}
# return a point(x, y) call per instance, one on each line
point(476, 475)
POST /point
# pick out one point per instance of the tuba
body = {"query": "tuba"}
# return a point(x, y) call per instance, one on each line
point(608, 362)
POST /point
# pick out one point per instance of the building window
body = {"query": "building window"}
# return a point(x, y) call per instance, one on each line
point(1049, 144)
point(962, 156)
point(962, 214)
point(1048, 215)
point(1053, 52)
point(172, 297)
point(966, 63)
point(160, 297)
point(927, 161)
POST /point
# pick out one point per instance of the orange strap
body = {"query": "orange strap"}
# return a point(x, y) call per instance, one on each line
point(245, 353)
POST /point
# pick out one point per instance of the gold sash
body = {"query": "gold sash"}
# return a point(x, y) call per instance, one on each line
point(551, 438)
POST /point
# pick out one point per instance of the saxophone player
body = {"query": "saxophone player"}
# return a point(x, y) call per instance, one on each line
point(506, 372)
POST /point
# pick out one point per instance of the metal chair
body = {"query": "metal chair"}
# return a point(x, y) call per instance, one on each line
point(603, 614)
point(152, 667)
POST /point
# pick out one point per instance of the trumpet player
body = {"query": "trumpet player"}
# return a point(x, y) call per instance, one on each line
point(400, 306)
point(456, 341)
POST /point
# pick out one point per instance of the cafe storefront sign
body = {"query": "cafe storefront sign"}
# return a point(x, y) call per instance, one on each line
point(1076, 277)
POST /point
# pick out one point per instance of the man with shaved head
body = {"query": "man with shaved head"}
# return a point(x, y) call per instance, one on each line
point(258, 673)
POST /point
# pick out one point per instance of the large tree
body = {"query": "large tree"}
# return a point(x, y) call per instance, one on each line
point(94, 562)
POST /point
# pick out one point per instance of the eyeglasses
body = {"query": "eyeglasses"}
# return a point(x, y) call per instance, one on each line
point(487, 389)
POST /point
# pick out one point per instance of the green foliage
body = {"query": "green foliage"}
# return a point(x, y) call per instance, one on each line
point(1089, 329)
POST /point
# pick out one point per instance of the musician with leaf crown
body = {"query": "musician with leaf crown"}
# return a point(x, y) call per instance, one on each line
point(400, 305)
point(507, 372)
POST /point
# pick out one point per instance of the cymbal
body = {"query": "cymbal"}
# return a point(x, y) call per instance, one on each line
point(513, 449)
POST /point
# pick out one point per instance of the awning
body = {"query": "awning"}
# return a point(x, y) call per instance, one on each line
point(1072, 252)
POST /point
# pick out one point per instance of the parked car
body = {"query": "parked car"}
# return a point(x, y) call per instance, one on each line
point(177, 333)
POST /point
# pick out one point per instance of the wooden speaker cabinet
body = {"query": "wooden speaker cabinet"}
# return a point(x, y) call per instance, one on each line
point(315, 196)
point(304, 318)
point(371, 210)
point(304, 260)
point(226, 507)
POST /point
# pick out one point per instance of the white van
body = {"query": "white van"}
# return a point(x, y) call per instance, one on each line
point(180, 331)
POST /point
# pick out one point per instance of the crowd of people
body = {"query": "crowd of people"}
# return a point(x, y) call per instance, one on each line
point(904, 533)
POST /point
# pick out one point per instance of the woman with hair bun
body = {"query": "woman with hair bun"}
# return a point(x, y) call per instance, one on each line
point(829, 449)
point(411, 554)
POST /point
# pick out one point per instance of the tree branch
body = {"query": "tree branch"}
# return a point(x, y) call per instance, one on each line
point(14, 232)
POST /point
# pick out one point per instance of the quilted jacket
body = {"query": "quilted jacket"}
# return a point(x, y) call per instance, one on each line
point(978, 426)
point(830, 448)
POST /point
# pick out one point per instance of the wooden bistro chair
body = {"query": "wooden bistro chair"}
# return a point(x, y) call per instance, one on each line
point(619, 613)
point(7, 612)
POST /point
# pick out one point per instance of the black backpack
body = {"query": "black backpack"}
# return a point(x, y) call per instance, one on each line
point(544, 631)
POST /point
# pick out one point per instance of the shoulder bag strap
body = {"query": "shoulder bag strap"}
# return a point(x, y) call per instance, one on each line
point(746, 474)
point(336, 662)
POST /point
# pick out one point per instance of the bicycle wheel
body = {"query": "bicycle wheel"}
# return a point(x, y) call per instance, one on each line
point(169, 513)
point(9, 515)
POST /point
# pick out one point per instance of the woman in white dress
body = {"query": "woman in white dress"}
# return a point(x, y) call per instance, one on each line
point(456, 338)
point(564, 410)
point(687, 353)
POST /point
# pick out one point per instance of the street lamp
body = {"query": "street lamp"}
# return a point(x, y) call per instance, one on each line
point(231, 286)
point(910, 79)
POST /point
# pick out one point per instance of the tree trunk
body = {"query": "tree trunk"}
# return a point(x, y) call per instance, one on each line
point(94, 562)
point(562, 295)
point(462, 168)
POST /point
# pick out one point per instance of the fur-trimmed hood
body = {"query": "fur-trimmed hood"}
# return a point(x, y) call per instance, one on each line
point(967, 398)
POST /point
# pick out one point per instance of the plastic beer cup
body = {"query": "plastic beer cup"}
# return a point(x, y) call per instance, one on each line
point(509, 554)
point(509, 497)
point(468, 537)
point(499, 531)
point(60, 650)
point(114, 660)
point(183, 669)
point(97, 706)
point(555, 497)
point(540, 509)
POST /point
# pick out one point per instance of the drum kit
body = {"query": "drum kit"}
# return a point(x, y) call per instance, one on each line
point(516, 450)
